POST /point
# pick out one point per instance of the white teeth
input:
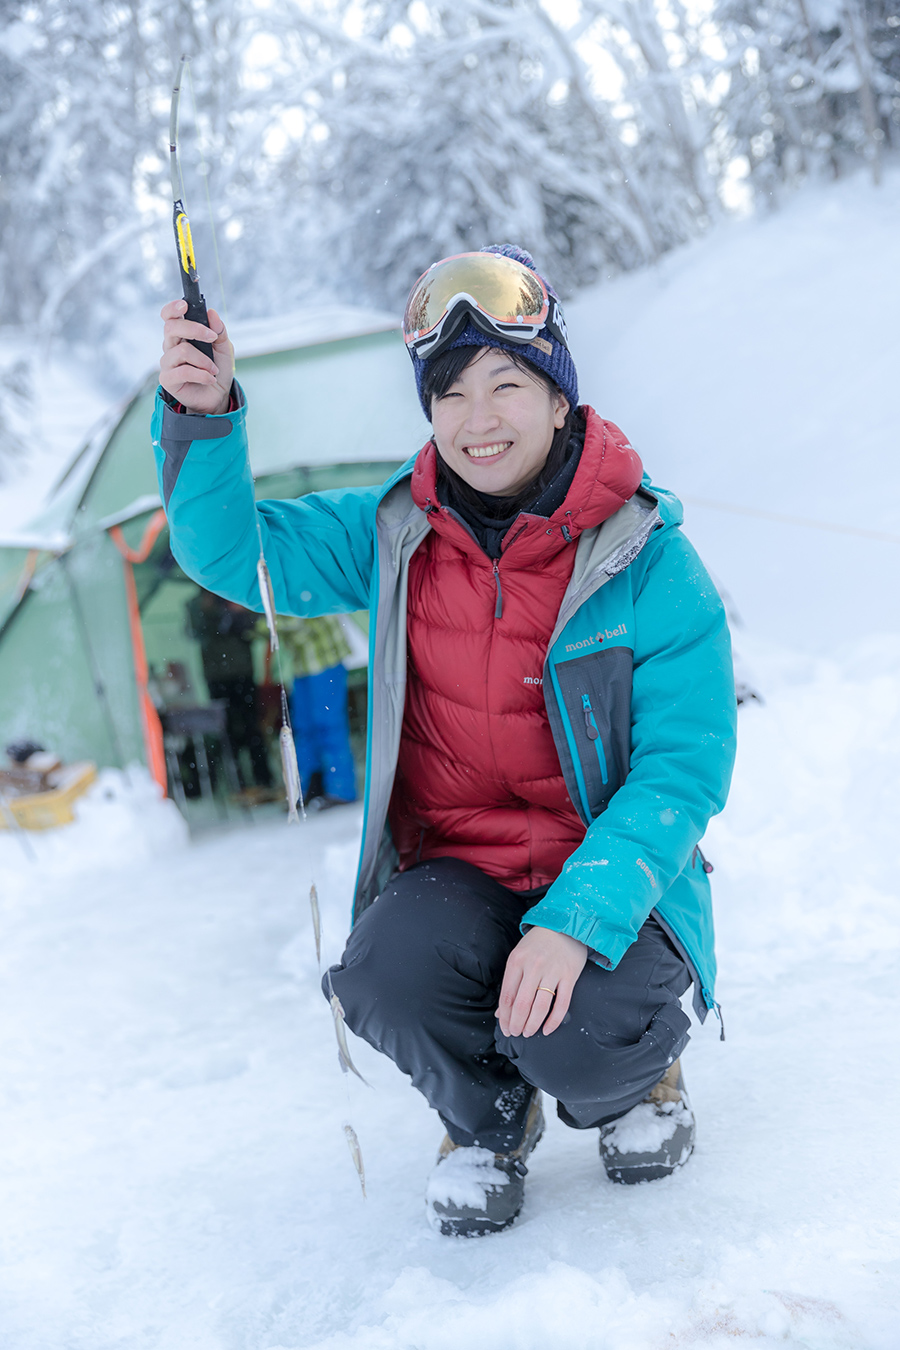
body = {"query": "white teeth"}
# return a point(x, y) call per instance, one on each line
point(484, 451)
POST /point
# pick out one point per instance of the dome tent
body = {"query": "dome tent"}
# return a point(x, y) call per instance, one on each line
point(91, 601)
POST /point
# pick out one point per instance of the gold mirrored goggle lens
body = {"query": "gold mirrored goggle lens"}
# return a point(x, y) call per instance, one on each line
point(502, 288)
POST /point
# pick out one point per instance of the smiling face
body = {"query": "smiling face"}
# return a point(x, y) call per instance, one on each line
point(495, 425)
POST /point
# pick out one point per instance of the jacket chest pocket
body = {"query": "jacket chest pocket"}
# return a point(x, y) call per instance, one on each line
point(595, 691)
point(592, 731)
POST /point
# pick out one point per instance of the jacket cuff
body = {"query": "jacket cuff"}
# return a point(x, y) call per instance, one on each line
point(606, 945)
point(235, 400)
point(177, 432)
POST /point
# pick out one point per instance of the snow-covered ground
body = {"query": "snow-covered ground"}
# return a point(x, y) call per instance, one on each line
point(174, 1173)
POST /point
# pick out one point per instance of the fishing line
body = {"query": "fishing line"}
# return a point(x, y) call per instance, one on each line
point(347, 1066)
point(205, 176)
point(290, 768)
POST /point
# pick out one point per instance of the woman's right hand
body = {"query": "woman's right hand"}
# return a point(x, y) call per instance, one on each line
point(200, 385)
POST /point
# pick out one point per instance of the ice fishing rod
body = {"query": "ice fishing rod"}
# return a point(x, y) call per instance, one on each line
point(197, 313)
point(190, 284)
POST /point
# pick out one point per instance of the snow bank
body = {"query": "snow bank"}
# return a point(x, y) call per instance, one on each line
point(811, 824)
point(755, 371)
point(561, 1306)
point(121, 820)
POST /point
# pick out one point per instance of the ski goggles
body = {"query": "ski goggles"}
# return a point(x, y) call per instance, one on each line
point(502, 298)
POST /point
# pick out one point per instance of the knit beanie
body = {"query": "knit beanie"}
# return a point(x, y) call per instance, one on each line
point(546, 351)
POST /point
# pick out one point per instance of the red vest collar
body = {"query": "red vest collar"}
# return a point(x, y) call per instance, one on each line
point(608, 474)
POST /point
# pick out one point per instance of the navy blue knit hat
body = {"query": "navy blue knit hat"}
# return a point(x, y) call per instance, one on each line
point(547, 353)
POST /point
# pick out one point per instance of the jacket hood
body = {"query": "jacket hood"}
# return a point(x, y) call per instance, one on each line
point(671, 512)
point(609, 473)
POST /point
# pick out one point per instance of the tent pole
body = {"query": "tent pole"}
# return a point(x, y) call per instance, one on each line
point(150, 723)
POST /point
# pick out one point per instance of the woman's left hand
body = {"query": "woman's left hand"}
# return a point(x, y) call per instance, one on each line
point(540, 975)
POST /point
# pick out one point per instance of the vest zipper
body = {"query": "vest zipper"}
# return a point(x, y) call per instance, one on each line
point(498, 608)
point(593, 734)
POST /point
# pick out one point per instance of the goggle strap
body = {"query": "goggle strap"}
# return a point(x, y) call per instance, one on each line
point(556, 324)
point(463, 313)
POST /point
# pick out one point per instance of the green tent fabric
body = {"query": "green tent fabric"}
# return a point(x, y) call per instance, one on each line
point(332, 402)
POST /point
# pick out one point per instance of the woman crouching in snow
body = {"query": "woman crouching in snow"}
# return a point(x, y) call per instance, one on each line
point(551, 726)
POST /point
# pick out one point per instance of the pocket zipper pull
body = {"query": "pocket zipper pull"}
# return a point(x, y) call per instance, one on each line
point(590, 725)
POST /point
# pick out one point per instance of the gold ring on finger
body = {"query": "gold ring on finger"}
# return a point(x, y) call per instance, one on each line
point(546, 990)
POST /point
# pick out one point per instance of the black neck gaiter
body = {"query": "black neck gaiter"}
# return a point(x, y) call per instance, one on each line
point(489, 517)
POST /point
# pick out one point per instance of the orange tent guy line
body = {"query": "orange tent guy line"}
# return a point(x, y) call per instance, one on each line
point(154, 528)
point(150, 723)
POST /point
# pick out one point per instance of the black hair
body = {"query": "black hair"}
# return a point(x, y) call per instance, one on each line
point(442, 374)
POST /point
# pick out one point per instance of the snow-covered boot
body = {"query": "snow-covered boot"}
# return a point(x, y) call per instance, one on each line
point(473, 1191)
point(654, 1137)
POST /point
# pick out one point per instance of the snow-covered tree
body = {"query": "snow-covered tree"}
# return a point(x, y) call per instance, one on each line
point(340, 145)
point(883, 43)
point(883, 18)
point(437, 125)
point(811, 86)
point(85, 203)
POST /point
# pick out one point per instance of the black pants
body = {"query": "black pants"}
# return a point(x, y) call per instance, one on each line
point(242, 725)
point(420, 980)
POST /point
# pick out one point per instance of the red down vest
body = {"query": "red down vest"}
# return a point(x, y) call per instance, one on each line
point(478, 776)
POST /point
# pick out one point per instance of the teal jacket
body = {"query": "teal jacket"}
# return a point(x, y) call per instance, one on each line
point(638, 678)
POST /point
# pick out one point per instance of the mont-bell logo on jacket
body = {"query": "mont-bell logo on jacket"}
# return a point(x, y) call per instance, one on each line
point(600, 636)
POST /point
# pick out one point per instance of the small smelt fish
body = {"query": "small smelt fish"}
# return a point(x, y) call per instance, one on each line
point(290, 771)
point(317, 922)
point(356, 1155)
point(268, 601)
point(337, 1013)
